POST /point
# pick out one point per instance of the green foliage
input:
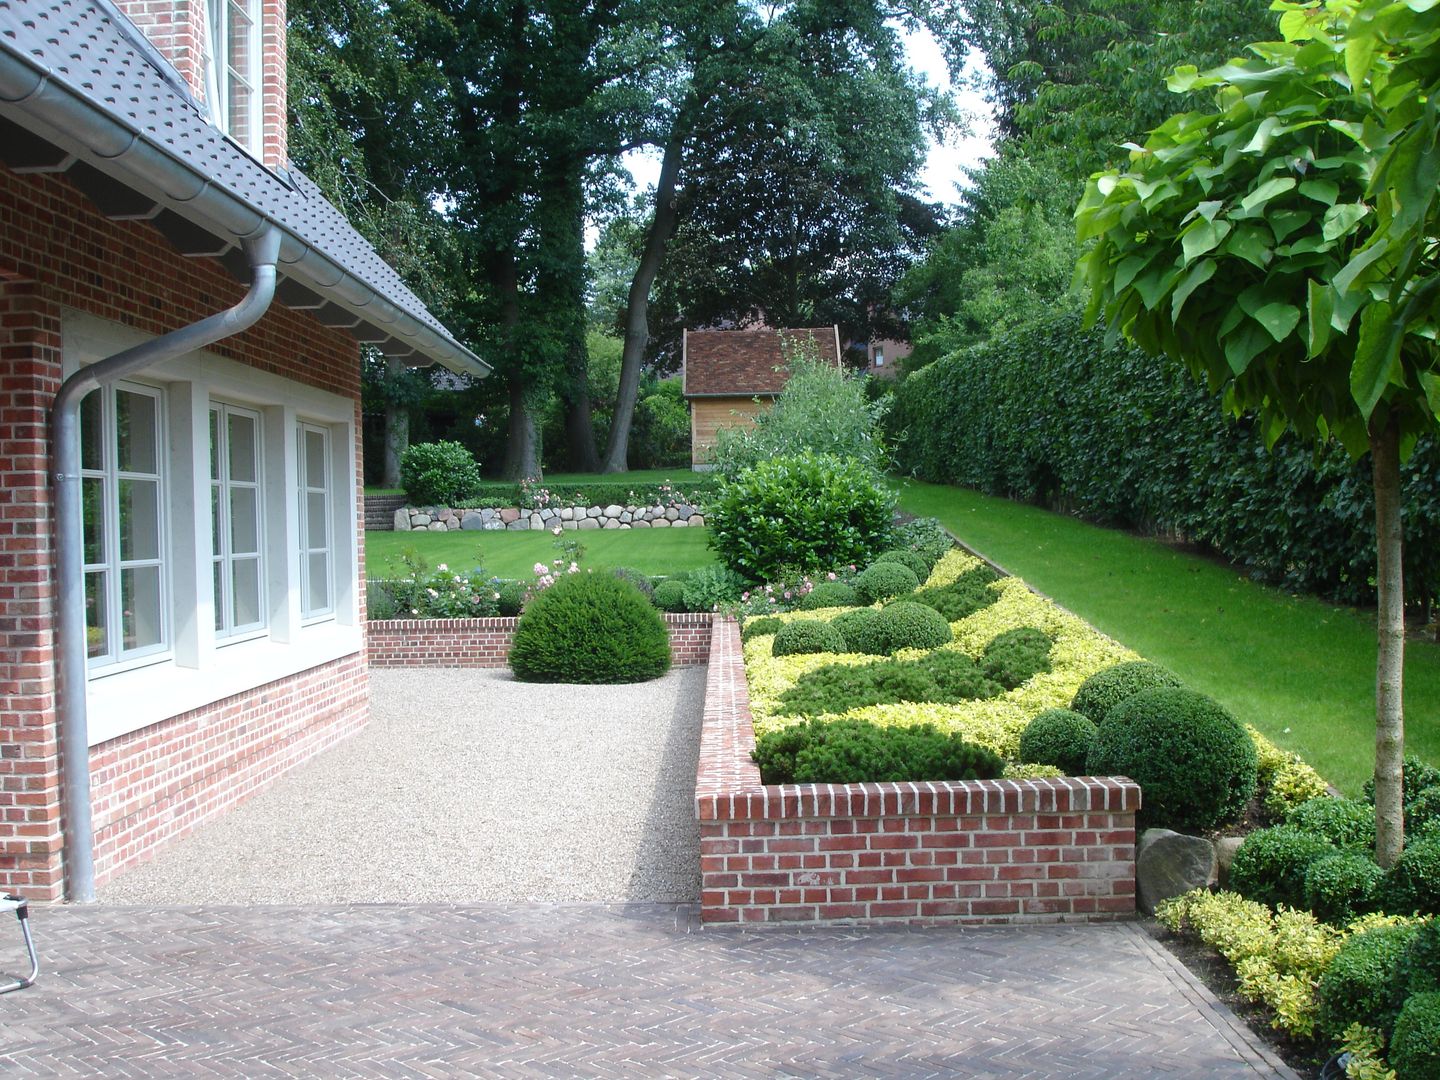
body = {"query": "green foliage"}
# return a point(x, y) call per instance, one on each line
point(660, 435)
point(513, 595)
point(1342, 822)
point(1342, 886)
point(1016, 656)
point(857, 628)
point(1105, 689)
point(439, 593)
point(830, 594)
point(1418, 775)
point(1058, 737)
point(1415, 1046)
point(808, 511)
point(916, 562)
point(963, 597)
point(1422, 813)
point(707, 588)
point(1359, 985)
point(590, 628)
point(883, 581)
point(854, 751)
point(636, 578)
point(903, 625)
point(669, 596)
point(695, 492)
point(1286, 780)
point(807, 636)
point(943, 676)
point(926, 537)
point(1271, 864)
point(1413, 883)
point(439, 474)
point(766, 624)
point(821, 410)
point(1194, 762)
point(1133, 441)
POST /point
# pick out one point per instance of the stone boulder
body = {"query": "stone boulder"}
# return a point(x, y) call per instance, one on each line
point(1170, 863)
point(1225, 849)
point(402, 520)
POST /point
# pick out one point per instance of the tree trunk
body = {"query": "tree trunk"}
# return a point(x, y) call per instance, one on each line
point(637, 305)
point(397, 432)
point(522, 443)
point(1390, 660)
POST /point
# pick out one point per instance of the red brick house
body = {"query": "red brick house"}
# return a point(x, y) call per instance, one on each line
point(731, 376)
point(181, 556)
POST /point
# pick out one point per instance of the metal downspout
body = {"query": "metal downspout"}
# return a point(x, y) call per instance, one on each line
point(78, 837)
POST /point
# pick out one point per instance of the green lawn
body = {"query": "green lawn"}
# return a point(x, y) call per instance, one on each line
point(1300, 670)
point(514, 554)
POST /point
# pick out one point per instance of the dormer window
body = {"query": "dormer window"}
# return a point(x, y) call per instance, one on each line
point(233, 69)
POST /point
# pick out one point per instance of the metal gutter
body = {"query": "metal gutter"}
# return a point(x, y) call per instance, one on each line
point(262, 251)
point(69, 119)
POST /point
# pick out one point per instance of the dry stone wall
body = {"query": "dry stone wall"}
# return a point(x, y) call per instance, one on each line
point(521, 518)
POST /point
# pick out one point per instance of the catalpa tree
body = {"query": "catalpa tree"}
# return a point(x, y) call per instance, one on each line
point(1283, 245)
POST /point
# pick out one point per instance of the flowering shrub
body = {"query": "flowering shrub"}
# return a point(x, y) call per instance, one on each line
point(440, 593)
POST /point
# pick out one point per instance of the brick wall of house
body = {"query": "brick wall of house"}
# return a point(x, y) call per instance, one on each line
point(980, 852)
point(485, 643)
point(60, 251)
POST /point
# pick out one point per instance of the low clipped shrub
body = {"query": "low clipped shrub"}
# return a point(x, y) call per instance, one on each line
point(1194, 762)
point(1413, 883)
point(1418, 775)
point(904, 625)
point(1415, 1045)
point(1104, 690)
point(1058, 737)
point(830, 594)
point(512, 597)
point(669, 596)
point(1343, 822)
point(883, 581)
point(766, 624)
point(590, 628)
point(806, 636)
point(1286, 780)
point(1359, 985)
point(926, 537)
point(963, 597)
point(1271, 864)
point(1420, 969)
point(1342, 886)
point(855, 751)
point(909, 559)
point(857, 628)
point(808, 511)
point(636, 578)
point(957, 677)
point(944, 676)
point(439, 474)
point(1422, 813)
point(1016, 656)
point(707, 588)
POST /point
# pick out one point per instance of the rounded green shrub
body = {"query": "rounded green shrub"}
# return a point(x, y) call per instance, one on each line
point(1341, 886)
point(808, 512)
point(1194, 762)
point(806, 636)
point(669, 595)
point(908, 626)
point(1271, 864)
point(766, 624)
point(1419, 774)
point(830, 594)
point(1343, 822)
point(512, 597)
point(1420, 970)
point(636, 578)
point(1104, 690)
point(1422, 813)
point(911, 559)
point(1058, 737)
point(942, 676)
point(1415, 1046)
point(1413, 883)
point(710, 586)
point(1016, 656)
point(590, 628)
point(1359, 986)
point(439, 474)
point(883, 581)
point(856, 751)
point(858, 629)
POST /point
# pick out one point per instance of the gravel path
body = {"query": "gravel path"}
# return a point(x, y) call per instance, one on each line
point(511, 792)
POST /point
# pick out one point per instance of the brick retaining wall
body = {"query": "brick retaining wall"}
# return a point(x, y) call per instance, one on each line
point(997, 851)
point(485, 643)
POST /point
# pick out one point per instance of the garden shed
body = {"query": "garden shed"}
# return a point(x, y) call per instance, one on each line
point(731, 376)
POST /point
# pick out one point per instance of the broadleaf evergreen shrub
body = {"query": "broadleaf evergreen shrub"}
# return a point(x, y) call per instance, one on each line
point(1413, 883)
point(512, 597)
point(1016, 656)
point(961, 598)
point(943, 676)
point(881, 581)
point(1271, 864)
point(710, 587)
point(1058, 737)
point(766, 624)
point(806, 636)
point(1341, 886)
point(439, 474)
point(590, 628)
point(1343, 822)
point(903, 625)
point(1415, 1045)
point(1105, 689)
point(924, 536)
point(669, 596)
point(854, 751)
point(858, 629)
point(830, 594)
point(910, 559)
point(1359, 986)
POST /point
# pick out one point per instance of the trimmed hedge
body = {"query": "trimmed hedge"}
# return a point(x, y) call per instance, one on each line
point(944, 676)
point(1341, 886)
point(1270, 866)
point(1105, 689)
point(669, 596)
point(1359, 985)
point(964, 596)
point(856, 752)
point(806, 636)
point(1058, 737)
point(1343, 822)
point(882, 581)
point(1415, 1048)
point(1052, 414)
point(917, 563)
point(1413, 883)
point(830, 594)
point(590, 628)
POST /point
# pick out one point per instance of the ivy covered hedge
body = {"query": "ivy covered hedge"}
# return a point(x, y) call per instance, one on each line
point(1053, 414)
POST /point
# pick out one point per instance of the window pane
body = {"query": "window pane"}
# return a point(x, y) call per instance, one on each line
point(217, 546)
point(219, 593)
point(315, 520)
point(214, 444)
point(137, 429)
point(92, 432)
point(319, 574)
point(97, 637)
point(92, 495)
point(140, 622)
point(244, 521)
point(139, 519)
point(315, 459)
point(245, 578)
point(242, 448)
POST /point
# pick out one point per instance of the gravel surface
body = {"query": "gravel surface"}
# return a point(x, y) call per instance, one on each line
point(465, 786)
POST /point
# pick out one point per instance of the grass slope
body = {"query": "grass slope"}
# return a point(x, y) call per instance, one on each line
point(1301, 670)
point(514, 554)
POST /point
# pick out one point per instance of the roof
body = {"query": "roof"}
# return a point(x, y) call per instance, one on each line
point(82, 93)
point(747, 363)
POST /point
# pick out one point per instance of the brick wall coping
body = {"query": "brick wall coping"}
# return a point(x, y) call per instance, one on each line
point(502, 622)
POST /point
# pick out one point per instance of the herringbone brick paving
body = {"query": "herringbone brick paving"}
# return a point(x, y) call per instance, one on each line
point(588, 990)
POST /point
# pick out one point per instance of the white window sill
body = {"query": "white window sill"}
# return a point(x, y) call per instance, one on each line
point(130, 700)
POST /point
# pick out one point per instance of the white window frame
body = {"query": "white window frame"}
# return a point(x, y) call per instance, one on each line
point(222, 74)
point(222, 486)
point(307, 489)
